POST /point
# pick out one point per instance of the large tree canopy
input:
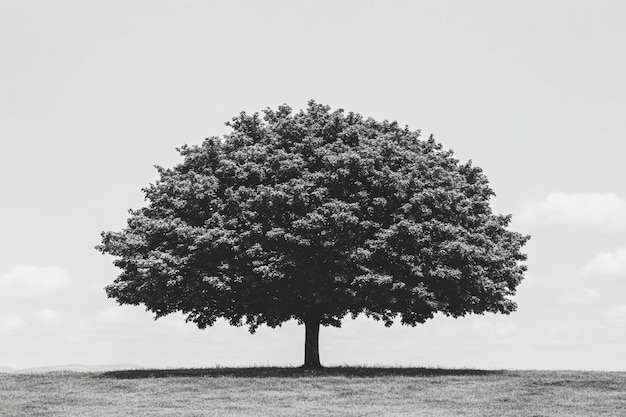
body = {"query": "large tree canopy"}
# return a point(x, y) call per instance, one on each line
point(313, 216)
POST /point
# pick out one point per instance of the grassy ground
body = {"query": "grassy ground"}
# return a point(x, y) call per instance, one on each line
point(331, 392)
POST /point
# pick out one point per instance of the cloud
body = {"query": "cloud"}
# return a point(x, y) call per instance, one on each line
point(617, 313)
point(494, 330)
point(110, 316)
point(584, 297)
point(580, 209)
point(32, 281)
point(606, 264)
point(48, 317)
point(11, 322)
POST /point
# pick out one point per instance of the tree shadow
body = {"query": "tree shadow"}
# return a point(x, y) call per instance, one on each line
point(290, 372)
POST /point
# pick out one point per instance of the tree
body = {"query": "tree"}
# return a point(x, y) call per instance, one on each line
point(313, 216)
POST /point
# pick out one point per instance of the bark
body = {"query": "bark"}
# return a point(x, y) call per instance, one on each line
point(311, 343)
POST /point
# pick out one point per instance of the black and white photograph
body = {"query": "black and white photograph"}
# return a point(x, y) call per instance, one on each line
point(312, 208)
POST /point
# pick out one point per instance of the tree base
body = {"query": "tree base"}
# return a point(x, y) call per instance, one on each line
point(311, 367)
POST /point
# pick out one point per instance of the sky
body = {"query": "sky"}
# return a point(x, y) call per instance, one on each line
point(94, 94)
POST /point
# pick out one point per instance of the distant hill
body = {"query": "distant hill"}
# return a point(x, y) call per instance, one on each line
point(6, 369)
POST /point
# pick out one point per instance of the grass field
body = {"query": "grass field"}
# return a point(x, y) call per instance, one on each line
point(330, 392)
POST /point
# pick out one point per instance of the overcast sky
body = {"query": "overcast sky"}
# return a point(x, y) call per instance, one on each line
point(94, 94)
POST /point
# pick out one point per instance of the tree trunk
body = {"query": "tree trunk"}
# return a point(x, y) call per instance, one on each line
point(311, 343)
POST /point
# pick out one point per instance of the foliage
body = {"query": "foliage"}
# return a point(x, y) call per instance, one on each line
point(316, 214)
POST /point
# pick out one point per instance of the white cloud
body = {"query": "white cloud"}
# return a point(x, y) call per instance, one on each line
point(11, 322)
point(558, 336)
point(495, 330)
point(606, 263)
point(584, 297)
point(111, 315)
point(531, 281)
point(33, 281)
point(581, 209)
point(617, 313)
point(48, 317)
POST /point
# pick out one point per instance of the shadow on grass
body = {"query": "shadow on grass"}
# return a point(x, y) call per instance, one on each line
point(279, 372)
